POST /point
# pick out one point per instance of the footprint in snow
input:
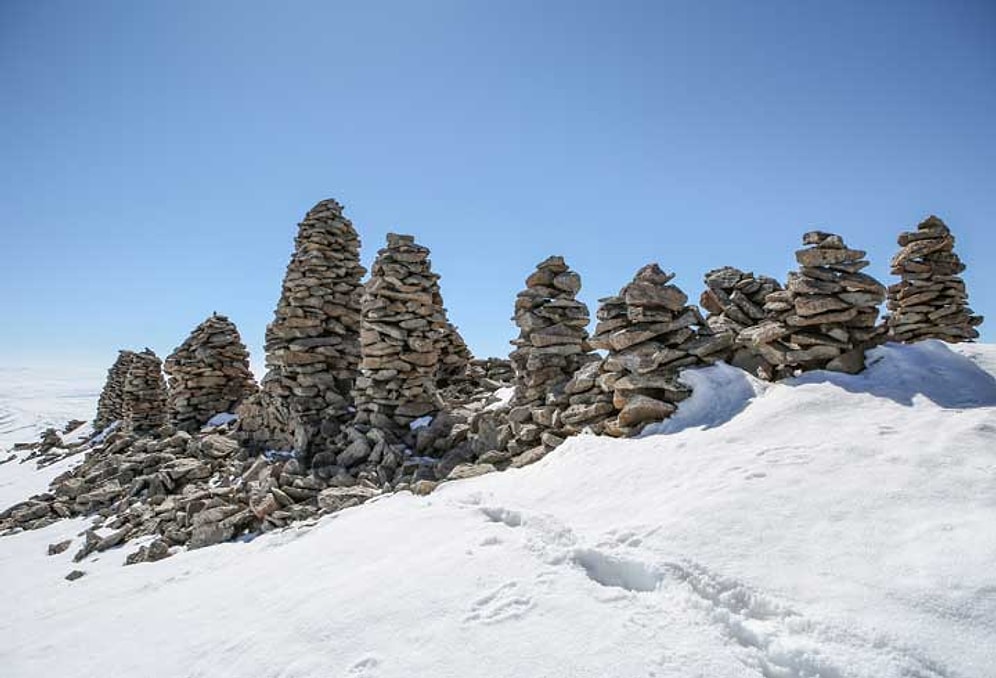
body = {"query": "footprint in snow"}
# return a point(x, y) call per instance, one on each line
point(365, 667)
point(501, 604)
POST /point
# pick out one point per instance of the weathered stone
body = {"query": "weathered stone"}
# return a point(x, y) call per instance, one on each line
point(208, 374)
point(930, 302)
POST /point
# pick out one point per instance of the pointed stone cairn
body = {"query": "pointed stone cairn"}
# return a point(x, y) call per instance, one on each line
point(931, 301)
point(552, 346)
point(650, 332)
point(312, 345)
point(454, 357)
point(208, 374)
point(110, 406)
point(735, 301)
point(826, 317)
point(402, 324)
point(145, 407)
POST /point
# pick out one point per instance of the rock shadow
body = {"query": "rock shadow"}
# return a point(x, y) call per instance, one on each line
point(901, 372)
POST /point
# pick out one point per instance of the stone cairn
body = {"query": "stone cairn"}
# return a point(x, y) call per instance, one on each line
point(400, 332)
point(650, 334)
point(826, 317)
point(312, 345)
point(208, 374)
point(552, 346)
point(735, 301)
point(145, 409)
point(454, 357)
point(931, 301)
point(110, 406)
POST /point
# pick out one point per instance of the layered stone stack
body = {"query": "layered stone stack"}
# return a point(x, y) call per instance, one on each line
point(145, 408)
point(650, 333)
point(552, 346)
point(826, 317)
point(110, 406)
point(400, 332)
point(208, 374)
point(454, 357)
point(312, 345)
point(931, 301)
point(735, 301)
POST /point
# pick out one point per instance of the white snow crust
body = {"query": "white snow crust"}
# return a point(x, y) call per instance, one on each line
point(829, 526)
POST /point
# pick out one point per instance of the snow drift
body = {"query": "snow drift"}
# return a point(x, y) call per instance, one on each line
point(827, 526)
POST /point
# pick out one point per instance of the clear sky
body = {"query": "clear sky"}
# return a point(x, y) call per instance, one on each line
point(157, 156)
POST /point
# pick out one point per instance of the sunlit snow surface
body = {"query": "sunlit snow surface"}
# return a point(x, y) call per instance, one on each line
point(32, 400)
point(830, 526)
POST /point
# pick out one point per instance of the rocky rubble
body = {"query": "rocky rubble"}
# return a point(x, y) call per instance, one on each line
point(828, 314)
point(145, 410)
point(312, 345)
point(208, 374)
point(110, 406)
point(185, 490)
point(930, 302)
point(552, 346)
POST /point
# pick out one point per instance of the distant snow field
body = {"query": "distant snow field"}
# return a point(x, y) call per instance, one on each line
point(824, 527)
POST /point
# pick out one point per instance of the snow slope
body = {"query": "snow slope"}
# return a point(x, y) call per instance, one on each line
point(33, 399)
point(830, 526)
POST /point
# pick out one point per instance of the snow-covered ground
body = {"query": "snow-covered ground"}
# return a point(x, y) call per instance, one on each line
point(33, 399)
point(832, 526)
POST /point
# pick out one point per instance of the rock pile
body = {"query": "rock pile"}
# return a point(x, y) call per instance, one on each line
point(186, 490)
point(650, 333)
point(552, 346)
point(735, 301)
point(826, 317)
point(931, 301)
point(402, 325)
point(110, 406)
point(145, 409)
point(312, 345)
point(208, 374)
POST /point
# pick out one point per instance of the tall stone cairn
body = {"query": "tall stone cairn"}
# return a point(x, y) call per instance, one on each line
point(110, 406)
point(552, 346)
point(735, 301)
point(650, 333)
point(145, 407)
point(402, 324)
point(208, 374)
point(312, 345)
point(454, 357)
point(826, 317)
point(931, 301)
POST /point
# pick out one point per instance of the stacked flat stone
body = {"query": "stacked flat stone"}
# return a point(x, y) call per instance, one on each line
point(735, 301)
point(931, 301)
point(110, 406)
point(826, 317)
point(312, 345)
point(145, 408)
point(650, 333)
point(208, 374)
point(497, 371)
point(552, 346)
point(454, 357)
point(402, 324)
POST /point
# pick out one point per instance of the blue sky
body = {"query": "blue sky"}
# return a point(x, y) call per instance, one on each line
point(157, 156)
